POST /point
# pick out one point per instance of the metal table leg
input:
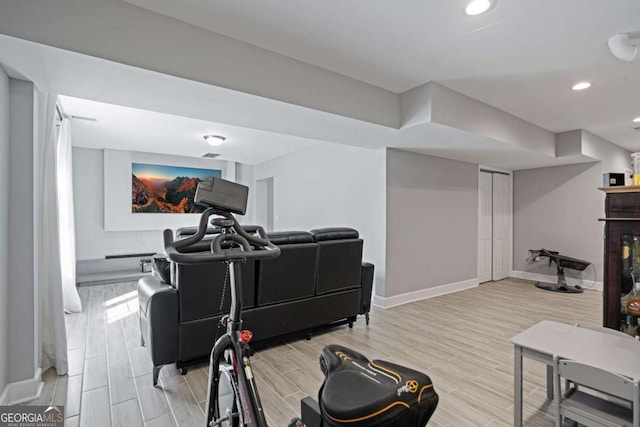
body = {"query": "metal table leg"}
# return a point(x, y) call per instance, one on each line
point(517, 381)
point(549, 382)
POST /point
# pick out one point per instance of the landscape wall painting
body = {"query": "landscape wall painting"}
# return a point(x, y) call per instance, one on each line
point(166, 189)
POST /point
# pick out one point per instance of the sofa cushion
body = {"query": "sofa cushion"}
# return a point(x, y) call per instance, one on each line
point(290, 276)
point(290, 237)
point(148, 287)
point(200, 288)
point(334, 233)
point(339, 265)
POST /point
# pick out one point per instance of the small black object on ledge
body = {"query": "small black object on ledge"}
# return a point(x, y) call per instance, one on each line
point(561, 262)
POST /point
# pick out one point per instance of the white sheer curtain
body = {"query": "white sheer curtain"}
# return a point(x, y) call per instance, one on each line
point(66, 220)
point(49, 237)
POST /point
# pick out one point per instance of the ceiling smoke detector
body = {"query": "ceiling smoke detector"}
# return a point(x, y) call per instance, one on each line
point(625, 48)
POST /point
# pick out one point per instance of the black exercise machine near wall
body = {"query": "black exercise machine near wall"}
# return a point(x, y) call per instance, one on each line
point(561, 262)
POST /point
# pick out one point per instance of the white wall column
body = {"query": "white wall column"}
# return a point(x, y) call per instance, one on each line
point(23, 373)
point(4, 225)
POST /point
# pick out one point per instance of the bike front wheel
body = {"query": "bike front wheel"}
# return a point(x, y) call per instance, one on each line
point(226, 410)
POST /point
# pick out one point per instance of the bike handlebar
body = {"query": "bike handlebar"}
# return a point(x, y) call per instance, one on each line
point(265, 249)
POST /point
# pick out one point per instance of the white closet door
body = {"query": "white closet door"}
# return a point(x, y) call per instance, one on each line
point(485, 226)
point(501, 226)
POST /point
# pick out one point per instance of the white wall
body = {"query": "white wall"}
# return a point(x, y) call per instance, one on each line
point(558, 208)
point(244, 176)
point(331, 185)
point(102, 195)
point(4, 224)
point(432, 225)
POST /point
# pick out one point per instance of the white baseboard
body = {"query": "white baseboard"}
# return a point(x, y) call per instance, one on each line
point(586, 284)
point(396, 300)
point(22, 391)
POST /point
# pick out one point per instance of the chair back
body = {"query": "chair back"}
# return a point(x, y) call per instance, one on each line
point(591, 410)
point(596, 379)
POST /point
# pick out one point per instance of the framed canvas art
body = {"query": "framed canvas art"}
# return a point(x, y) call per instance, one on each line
point(166, 189)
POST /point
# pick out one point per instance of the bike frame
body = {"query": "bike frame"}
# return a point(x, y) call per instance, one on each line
point(250, 410)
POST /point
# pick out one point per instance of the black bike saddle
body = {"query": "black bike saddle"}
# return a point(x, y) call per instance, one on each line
point(357, 392)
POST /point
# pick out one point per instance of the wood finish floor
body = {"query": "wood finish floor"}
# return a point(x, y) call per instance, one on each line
point(461, 340)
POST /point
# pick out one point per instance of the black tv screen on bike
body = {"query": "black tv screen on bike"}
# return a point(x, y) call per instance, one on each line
point(223, 195)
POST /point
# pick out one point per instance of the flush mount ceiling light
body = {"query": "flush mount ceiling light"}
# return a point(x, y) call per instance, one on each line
point(581, 86)
point(214, 140)
point(636, 120)
point(477, 7)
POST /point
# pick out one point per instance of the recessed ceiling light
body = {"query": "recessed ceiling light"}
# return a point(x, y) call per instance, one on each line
point(214, 140)
point(581, 86)
point(636, 120)
point(476, 7)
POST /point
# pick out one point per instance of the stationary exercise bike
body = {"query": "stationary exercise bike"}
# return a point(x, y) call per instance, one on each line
point(383, 394)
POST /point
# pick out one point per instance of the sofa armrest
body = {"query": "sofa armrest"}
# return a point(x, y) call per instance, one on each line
point(366, 284)
point(159, 319)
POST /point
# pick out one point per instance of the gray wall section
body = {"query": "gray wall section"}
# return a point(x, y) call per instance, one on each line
point(558, 208)
point(331, 185)
point(92, 241)
point(21, 295)
point(4, 224)
point(432, 222)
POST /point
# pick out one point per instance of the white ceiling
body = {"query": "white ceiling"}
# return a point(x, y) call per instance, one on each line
point(521, 56)
point(126, 128)
point(401, 44)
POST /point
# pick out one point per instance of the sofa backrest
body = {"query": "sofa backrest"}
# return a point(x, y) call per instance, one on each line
point(204, 245)
point(200, 289)
point(339, 259)
point(311, 263)
point(200, 285)
point(292, 275)
point(190, 231)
